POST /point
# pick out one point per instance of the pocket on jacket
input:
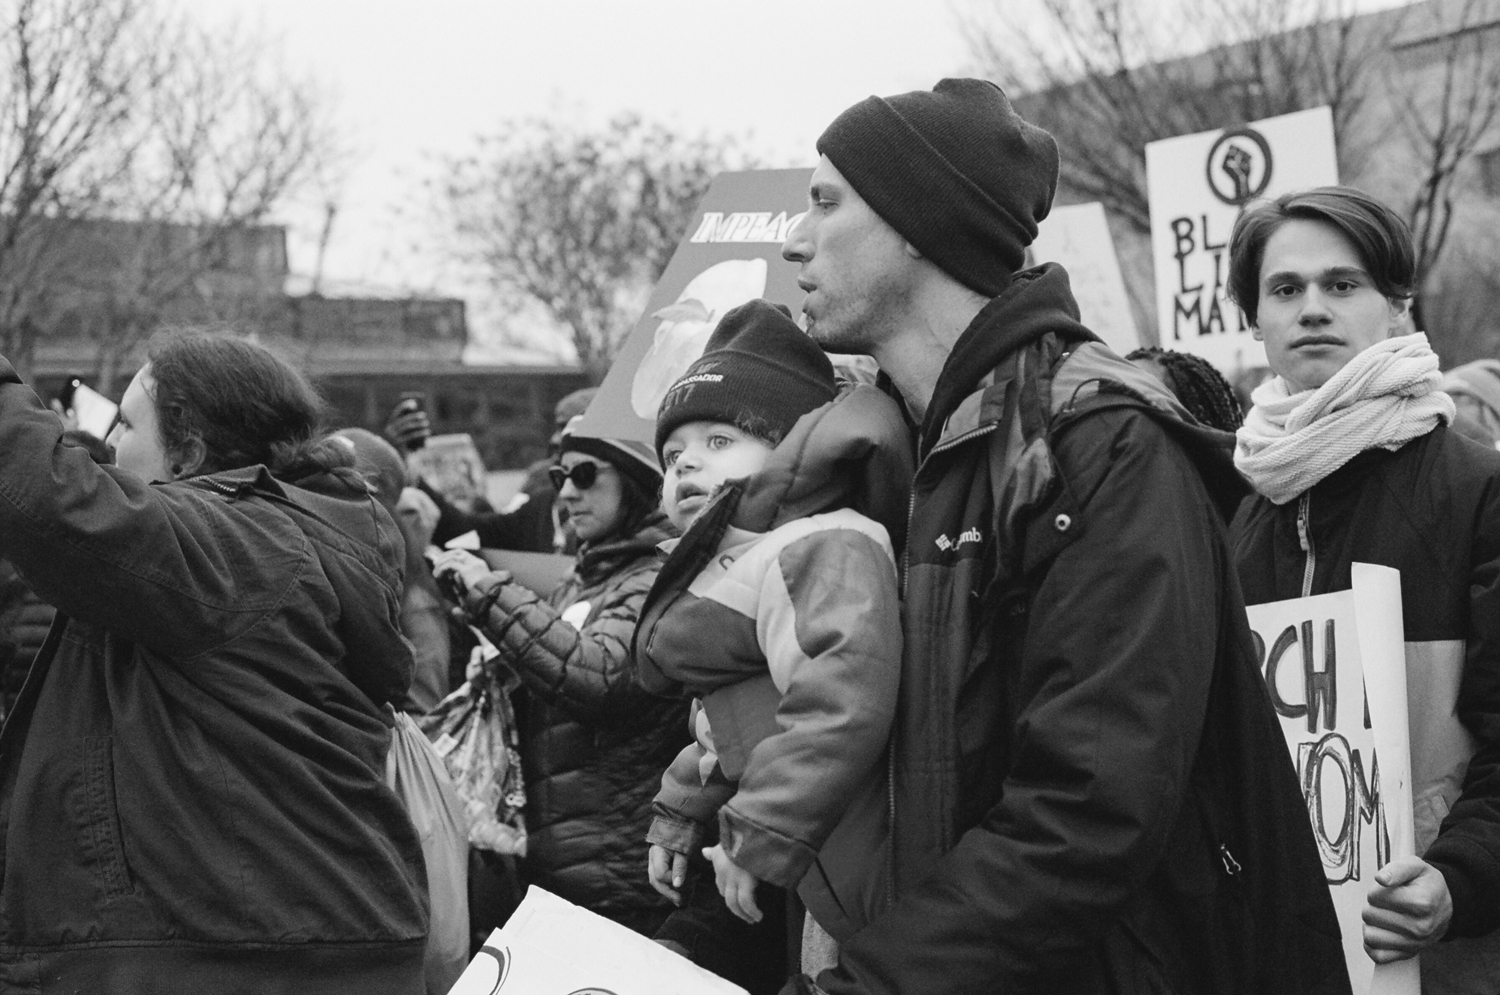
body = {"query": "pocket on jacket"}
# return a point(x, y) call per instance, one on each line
point(98, 819)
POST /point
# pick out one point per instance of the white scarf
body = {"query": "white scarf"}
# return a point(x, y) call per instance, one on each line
point(1386, 396)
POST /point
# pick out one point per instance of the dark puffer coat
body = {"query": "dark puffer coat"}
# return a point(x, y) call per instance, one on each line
point(593, 742)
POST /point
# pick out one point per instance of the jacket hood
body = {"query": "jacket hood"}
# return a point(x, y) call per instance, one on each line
point(1037, 302)
point(361, 551)
point(854, 451)
point(1086, 376)
point(1094, 379)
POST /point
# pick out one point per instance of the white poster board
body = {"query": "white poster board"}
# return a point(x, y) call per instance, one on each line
point(1077, 236)
point(1335, 666)
point(1197, 185)
point(550, 946)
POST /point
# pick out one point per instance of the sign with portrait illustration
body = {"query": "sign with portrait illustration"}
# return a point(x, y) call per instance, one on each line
point(1335, 667)
point(1197, 185)
point(451, 466)
point(550, 946)
point(730, 254)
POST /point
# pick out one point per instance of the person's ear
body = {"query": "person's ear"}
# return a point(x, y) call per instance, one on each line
point(191, 459)
point(1400, 317)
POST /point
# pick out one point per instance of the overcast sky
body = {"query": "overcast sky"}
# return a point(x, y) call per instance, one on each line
point(412, 81)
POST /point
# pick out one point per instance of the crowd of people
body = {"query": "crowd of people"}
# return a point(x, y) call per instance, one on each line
point(943, 682)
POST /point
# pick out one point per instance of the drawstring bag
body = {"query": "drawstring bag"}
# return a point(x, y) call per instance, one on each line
point(416, 774)
point(474, 731)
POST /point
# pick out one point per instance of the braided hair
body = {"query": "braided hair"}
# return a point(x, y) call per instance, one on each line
point(1201, 388)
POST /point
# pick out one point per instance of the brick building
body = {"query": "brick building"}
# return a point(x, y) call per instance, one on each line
point(364, 346)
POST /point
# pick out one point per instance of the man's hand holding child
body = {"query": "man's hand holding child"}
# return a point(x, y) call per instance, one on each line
point(736, 884)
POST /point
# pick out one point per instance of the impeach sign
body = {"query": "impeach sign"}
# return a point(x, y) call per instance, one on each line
point(1335, 668)
point(730, 254)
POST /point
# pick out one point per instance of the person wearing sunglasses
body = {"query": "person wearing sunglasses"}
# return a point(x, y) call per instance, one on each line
point(593, 742)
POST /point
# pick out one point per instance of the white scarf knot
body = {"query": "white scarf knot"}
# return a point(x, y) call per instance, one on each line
point(1384, 397)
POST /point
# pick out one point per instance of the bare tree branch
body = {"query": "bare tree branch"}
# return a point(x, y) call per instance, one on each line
point(1106, 81)
point(582, 222)
point(113, 111)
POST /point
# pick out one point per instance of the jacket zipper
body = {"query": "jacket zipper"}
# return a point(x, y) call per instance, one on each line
point(911, 501)
point(890, 766)
point(1304, 536)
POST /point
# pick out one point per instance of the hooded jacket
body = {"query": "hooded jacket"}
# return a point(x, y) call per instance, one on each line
point(593, 741)
point(192, 781)
point(1092, 792)
point(790, 636)
point(1431, 509)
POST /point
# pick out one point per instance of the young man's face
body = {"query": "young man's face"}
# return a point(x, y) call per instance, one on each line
point(1318, 305)
point(699, 456)
point(854, 266)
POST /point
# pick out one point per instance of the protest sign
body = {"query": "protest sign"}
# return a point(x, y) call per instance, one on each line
point(1335, 667)
point(1197, 185)
point(730, 254)
point(451, 466)
point(1077, 236)
point(550, 946)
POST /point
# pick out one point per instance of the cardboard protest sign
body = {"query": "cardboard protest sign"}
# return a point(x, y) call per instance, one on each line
point(1077, 236)
point(1335, 667)
point(550, 946)
point(1197, 185)
point(451, 466)
point(731, 254)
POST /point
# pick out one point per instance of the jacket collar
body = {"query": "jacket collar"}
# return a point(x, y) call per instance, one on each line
point(1038, 302)
point(597, 562)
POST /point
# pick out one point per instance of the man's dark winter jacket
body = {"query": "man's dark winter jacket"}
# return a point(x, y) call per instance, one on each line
point(192, 788)
point(593, 742)
point(1431, 509)
point(1092, 792)
point(24, 621)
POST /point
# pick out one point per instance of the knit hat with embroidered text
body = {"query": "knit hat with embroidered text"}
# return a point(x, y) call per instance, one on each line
point(759, 371)
point(955, 171)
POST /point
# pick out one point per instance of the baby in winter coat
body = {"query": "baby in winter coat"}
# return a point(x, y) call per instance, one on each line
point(778, 612)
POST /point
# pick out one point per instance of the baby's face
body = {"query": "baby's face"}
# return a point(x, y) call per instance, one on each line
point(698, 458)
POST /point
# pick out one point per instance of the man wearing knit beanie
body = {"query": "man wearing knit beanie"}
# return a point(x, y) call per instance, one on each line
point(1076, 664)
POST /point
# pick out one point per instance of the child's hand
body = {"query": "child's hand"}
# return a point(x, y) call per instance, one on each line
point(736, 884)
point(666, 869)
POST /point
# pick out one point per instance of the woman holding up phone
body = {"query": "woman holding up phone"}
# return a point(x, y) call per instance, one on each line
point(192, 788)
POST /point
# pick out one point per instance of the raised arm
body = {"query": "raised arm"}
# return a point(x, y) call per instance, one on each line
point(585, 671)
point(106, 547)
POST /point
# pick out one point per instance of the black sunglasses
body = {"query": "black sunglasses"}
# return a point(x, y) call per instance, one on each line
point(583, 475)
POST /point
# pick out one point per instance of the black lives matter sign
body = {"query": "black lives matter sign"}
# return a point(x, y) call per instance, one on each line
point(1198, 184)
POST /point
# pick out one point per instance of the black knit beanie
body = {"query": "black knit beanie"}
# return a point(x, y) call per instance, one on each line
point(758, 368)
point(955, 171)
